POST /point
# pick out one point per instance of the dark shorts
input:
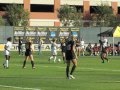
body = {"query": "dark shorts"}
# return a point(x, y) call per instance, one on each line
point(28, 53)
point(104, 50)
point(19, 47)
point(39, 47)
point(63, 50)
point(70, 55)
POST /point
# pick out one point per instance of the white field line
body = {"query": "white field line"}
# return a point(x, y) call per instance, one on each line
point(14, 87)
point(86, 68)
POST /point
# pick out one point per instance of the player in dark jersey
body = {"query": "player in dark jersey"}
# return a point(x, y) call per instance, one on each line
point(63, 48)
point(70, 57)
point(103, 54)
point(20, 49)
point(28, 54)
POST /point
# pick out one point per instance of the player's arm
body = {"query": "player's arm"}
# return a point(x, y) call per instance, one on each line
point(74, 50)
point(31, 47)
point(5, 47)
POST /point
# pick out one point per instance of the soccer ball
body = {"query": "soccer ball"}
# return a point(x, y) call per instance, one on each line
point(59, 60)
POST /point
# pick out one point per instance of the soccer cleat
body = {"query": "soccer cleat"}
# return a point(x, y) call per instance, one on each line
point(33, 67)
point(107, 60)
point(4, 66)
point(71, 76)
point(68, 78)
point(24, 67)
point(7, 67)
point(102, 61)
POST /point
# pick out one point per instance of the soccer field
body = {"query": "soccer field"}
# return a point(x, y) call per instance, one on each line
point(90, 74)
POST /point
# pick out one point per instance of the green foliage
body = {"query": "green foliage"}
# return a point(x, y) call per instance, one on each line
point(17, 16)
point(103, 15)
point(2, 22)
point(115, 21)
point(68, 15)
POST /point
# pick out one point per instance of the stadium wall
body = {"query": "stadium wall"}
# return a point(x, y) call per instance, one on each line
point(89, 35)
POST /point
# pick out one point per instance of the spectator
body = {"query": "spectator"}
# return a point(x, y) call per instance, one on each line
point(89, 49)
point(20, 48)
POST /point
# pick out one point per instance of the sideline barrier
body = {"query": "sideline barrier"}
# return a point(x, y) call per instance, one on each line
point(45, 47)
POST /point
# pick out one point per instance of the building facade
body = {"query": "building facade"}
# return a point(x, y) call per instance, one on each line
point(44, 12)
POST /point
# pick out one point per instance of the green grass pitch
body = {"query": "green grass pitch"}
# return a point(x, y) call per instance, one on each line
point(90, 74)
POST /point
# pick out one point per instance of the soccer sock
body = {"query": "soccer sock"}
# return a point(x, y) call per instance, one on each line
point(106, 59)
point(72, 70)
point(4, 63)
point(55, 58)
point(7, 63)
point(83, 53)
point(24, 63)
point(64, 59)
point(32, 62)
point(102, 59)
point(51, 57)
point(67, 71)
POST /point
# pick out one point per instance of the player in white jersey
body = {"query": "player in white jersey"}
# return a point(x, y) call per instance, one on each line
point(105, 42)
point(40, 46)
point(82, 45)
point(7, 49)
point(54, 47)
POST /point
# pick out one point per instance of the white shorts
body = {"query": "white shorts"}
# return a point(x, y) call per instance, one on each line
point(7, 52)
point(78, 48)
point(82, 48)
point(54, 52)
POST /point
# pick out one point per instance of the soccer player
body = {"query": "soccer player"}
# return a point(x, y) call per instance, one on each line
point(7, 49)
point(105, 42)
point(103, 54)
point(40, 46)
point(70, 57)
point(28, 53)
point(54, 47)
point(20, 48)
point(63, 49)
point(82, 46)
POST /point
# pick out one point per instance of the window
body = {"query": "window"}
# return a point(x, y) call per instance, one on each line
point(92, 9)
point(42, 8)
point(3, 6)
point(118, 10)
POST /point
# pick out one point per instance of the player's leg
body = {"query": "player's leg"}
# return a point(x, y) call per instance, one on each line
point(32, 61)
point(102, 57)
point(63, 54)
point(5, 64)
point(51, 57)
point(19, 50)
point(24, 63)
point(105, 57)
point(74, 61)
point(67, 68)
point(7, 57)
point(78, 51)
point(55, 55)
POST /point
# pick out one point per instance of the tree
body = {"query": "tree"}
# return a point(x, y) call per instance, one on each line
point(115, 21)
point(77, 19)
point(103, 15)
point(17, 16)
point(68, 15)
point(2, 22)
